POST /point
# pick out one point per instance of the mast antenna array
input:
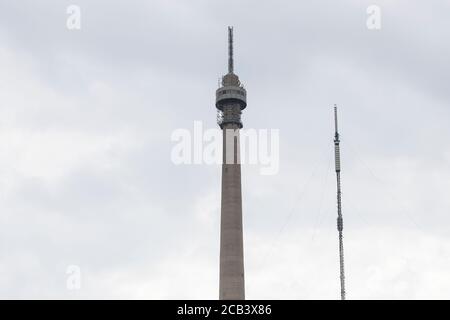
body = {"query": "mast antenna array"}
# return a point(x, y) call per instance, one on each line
point(340, 221)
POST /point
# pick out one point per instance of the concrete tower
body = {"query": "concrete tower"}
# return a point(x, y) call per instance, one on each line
point(231, 99)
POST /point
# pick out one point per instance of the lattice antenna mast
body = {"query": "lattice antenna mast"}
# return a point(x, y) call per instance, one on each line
point(230, 50)
point(340, 221)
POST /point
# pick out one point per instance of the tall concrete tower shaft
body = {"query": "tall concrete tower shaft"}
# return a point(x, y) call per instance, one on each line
point(231, 99)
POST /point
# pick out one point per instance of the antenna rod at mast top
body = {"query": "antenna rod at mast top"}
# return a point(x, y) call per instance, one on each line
point(335, 120)
point(230, 50)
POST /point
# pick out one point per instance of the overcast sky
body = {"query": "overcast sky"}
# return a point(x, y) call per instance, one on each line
point(86, 177)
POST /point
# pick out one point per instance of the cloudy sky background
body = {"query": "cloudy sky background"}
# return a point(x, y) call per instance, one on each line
point(86, 177)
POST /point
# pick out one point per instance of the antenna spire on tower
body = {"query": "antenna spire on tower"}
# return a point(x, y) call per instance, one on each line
point(230, 50)
point(340, 221)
